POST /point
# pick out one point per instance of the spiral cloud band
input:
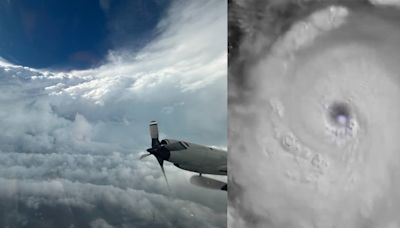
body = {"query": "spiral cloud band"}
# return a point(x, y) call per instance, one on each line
point(320, 125)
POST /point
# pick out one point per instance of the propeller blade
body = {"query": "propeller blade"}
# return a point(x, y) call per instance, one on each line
point(161, 162)
point(154, 134)
point(143, 156)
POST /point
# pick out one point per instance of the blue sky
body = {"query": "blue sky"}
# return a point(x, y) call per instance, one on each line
point(74, 34)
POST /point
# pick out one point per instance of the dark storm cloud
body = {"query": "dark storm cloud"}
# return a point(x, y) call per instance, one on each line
point(70, 141)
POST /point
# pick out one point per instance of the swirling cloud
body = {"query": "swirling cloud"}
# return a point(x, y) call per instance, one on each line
point(318, 121)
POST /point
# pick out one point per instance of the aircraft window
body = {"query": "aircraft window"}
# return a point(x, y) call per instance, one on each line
point(186, 144)
point(314, 87)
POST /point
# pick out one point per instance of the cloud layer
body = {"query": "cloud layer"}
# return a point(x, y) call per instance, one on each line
point(309, 166)
point(70, 141)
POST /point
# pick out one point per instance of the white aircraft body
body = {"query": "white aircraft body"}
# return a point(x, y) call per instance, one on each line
point(189, 156)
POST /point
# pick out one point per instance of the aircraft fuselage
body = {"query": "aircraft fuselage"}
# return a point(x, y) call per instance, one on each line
point(196, 158)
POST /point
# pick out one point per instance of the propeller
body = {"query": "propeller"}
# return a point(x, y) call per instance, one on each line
point(144, 155)
point(157, 149)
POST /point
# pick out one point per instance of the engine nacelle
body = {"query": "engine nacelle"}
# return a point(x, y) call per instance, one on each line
point(173, 145)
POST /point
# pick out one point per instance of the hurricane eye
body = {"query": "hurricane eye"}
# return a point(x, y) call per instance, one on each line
point(339, 114)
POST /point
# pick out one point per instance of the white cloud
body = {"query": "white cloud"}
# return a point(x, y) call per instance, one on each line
point(70, 141)
point(287, 168)
point(395, 3)
point(302, 34)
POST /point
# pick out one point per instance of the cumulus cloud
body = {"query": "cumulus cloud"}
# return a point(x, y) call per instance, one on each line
point(70, 141)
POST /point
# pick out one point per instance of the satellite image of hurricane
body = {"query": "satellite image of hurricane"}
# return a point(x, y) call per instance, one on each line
point(314, 91)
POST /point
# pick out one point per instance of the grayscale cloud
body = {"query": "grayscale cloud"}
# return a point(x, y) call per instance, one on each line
point(314, 90)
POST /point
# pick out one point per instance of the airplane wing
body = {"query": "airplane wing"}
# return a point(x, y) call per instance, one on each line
point(209, 183)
